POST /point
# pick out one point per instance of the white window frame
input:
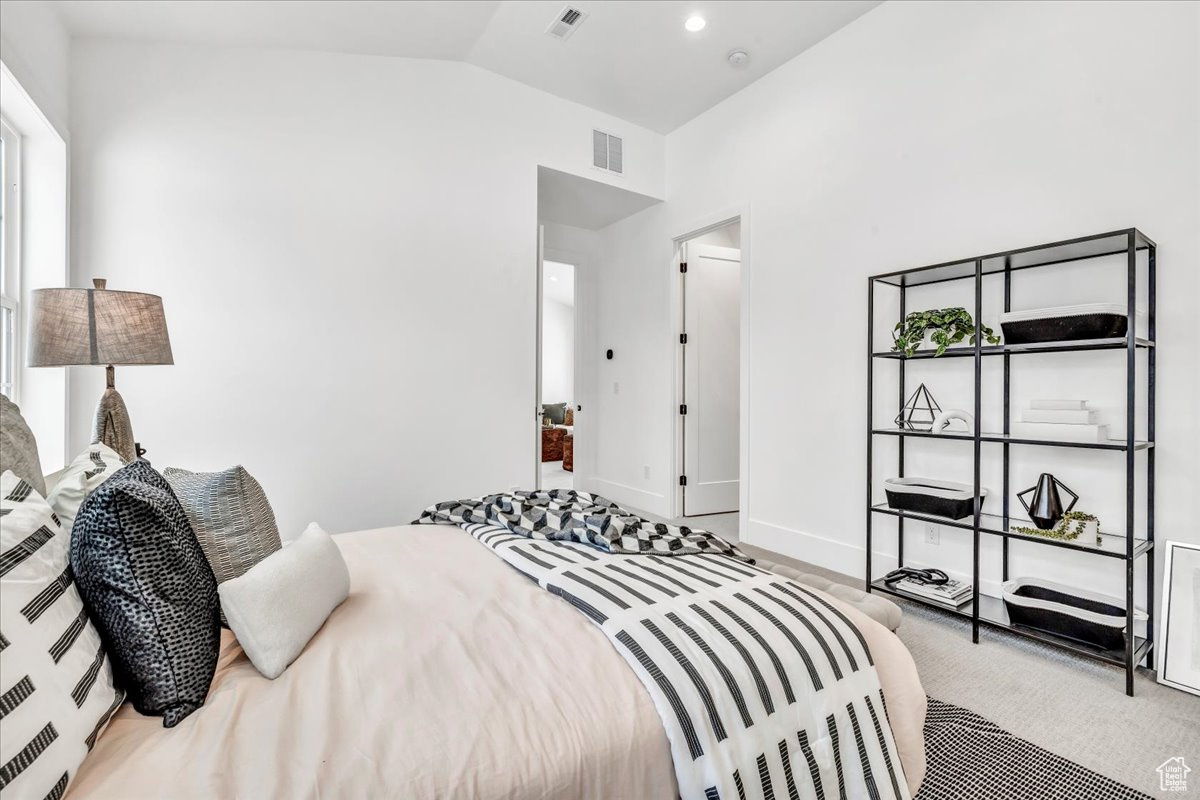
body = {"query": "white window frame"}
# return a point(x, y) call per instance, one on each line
point(10, 290)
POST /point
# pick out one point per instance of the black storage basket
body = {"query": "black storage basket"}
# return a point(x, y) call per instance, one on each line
point(1086, 617)
point(1065, 324)
point(934, 497)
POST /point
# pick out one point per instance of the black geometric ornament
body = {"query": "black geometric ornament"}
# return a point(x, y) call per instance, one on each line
point(919, 412)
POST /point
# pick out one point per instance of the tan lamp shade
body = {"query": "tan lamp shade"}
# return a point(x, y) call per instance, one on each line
point(72, 327)
point(76, 327)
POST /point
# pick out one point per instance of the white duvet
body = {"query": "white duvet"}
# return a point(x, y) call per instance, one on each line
point(444, 674)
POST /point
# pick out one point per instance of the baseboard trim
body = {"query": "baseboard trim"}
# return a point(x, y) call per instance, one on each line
point(804, 546)
point(848, 559)
point(621, 494)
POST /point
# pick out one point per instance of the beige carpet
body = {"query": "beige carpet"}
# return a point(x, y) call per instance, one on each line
point(1071, 706)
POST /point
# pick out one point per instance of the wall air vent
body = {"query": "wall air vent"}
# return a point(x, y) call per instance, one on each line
point(607, 153)
point(567, 21)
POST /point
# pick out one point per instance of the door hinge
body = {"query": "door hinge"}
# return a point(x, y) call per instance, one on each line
point(683, 338)
point(683, 480)
point(683, 408)
point(683, 266)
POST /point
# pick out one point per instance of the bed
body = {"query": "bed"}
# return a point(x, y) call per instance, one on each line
point(445, 673)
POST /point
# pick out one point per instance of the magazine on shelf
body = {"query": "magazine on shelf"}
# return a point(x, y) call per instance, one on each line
point(953, 593)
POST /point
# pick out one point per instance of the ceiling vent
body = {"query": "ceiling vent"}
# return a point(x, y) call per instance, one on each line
point(566, 22)
point(607, 153)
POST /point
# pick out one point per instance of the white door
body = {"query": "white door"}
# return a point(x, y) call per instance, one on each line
point(711, 379)
point(537, 369)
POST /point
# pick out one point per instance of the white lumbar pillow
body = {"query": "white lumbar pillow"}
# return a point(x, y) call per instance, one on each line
point(280, 602)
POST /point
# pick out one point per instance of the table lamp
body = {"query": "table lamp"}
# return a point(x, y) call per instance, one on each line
point(76, 327)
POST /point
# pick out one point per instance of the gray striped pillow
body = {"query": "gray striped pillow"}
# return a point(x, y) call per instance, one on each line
point(231, 517)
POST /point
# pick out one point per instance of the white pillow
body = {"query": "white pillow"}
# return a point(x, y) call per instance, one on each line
point(56, 680)
point(280, 602)
point(80, 478)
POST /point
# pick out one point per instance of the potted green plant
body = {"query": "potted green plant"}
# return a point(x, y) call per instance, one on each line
point(943, 327)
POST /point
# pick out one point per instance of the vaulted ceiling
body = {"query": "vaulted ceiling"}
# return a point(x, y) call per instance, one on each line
point(629, 58)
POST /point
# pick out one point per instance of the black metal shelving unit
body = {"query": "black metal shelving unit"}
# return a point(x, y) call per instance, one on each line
point(1130, 545)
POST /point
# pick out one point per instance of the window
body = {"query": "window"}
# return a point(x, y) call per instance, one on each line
point(10, 258)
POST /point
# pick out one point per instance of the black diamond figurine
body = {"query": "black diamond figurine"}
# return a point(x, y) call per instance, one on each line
point(919, 412)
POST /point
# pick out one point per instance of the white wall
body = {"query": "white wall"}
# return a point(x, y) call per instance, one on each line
point(725, 236)
point(869, 154)
point(623, 438)
point(346, 248)
point(34, 91)
point(558, 352)
point(924, 132)
point(921, 132)
point(635, 286)
point(35, 45)
point(633, 407)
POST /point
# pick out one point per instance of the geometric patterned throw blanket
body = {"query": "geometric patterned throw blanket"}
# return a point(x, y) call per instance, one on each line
point(764, 688)
point(565, 514)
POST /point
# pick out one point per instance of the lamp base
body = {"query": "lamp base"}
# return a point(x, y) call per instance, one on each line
point(112, 426)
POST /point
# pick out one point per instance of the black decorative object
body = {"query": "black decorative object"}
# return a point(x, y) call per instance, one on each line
point(933, 577)
point(919, 412)
point(1045, 508)
point(608, 354)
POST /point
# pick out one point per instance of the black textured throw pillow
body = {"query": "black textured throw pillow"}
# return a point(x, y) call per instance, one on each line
point(150, 591)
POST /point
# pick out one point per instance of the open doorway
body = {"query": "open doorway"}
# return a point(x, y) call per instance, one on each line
point(710, 386)
point(558, 375)
point(575, 218)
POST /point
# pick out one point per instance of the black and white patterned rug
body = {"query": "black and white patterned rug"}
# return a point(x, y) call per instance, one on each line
point(970, 757)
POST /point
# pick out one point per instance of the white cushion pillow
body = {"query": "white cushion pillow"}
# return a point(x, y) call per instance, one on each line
point(56, 682)
point(80, 478)
point(280, 602)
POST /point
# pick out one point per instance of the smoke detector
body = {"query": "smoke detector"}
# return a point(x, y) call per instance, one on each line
point(738, 58)
point(566, 23)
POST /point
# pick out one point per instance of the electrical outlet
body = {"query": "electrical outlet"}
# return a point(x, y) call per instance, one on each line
point(616, 387)
point(932, 534)
point(646, 472)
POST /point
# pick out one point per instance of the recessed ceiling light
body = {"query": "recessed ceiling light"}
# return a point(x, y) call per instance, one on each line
point(695, 23)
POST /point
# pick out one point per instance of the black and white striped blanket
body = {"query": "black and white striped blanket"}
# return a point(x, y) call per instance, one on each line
point(764, 688)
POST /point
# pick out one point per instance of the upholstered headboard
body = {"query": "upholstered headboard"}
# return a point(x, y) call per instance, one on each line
point(18, 448)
